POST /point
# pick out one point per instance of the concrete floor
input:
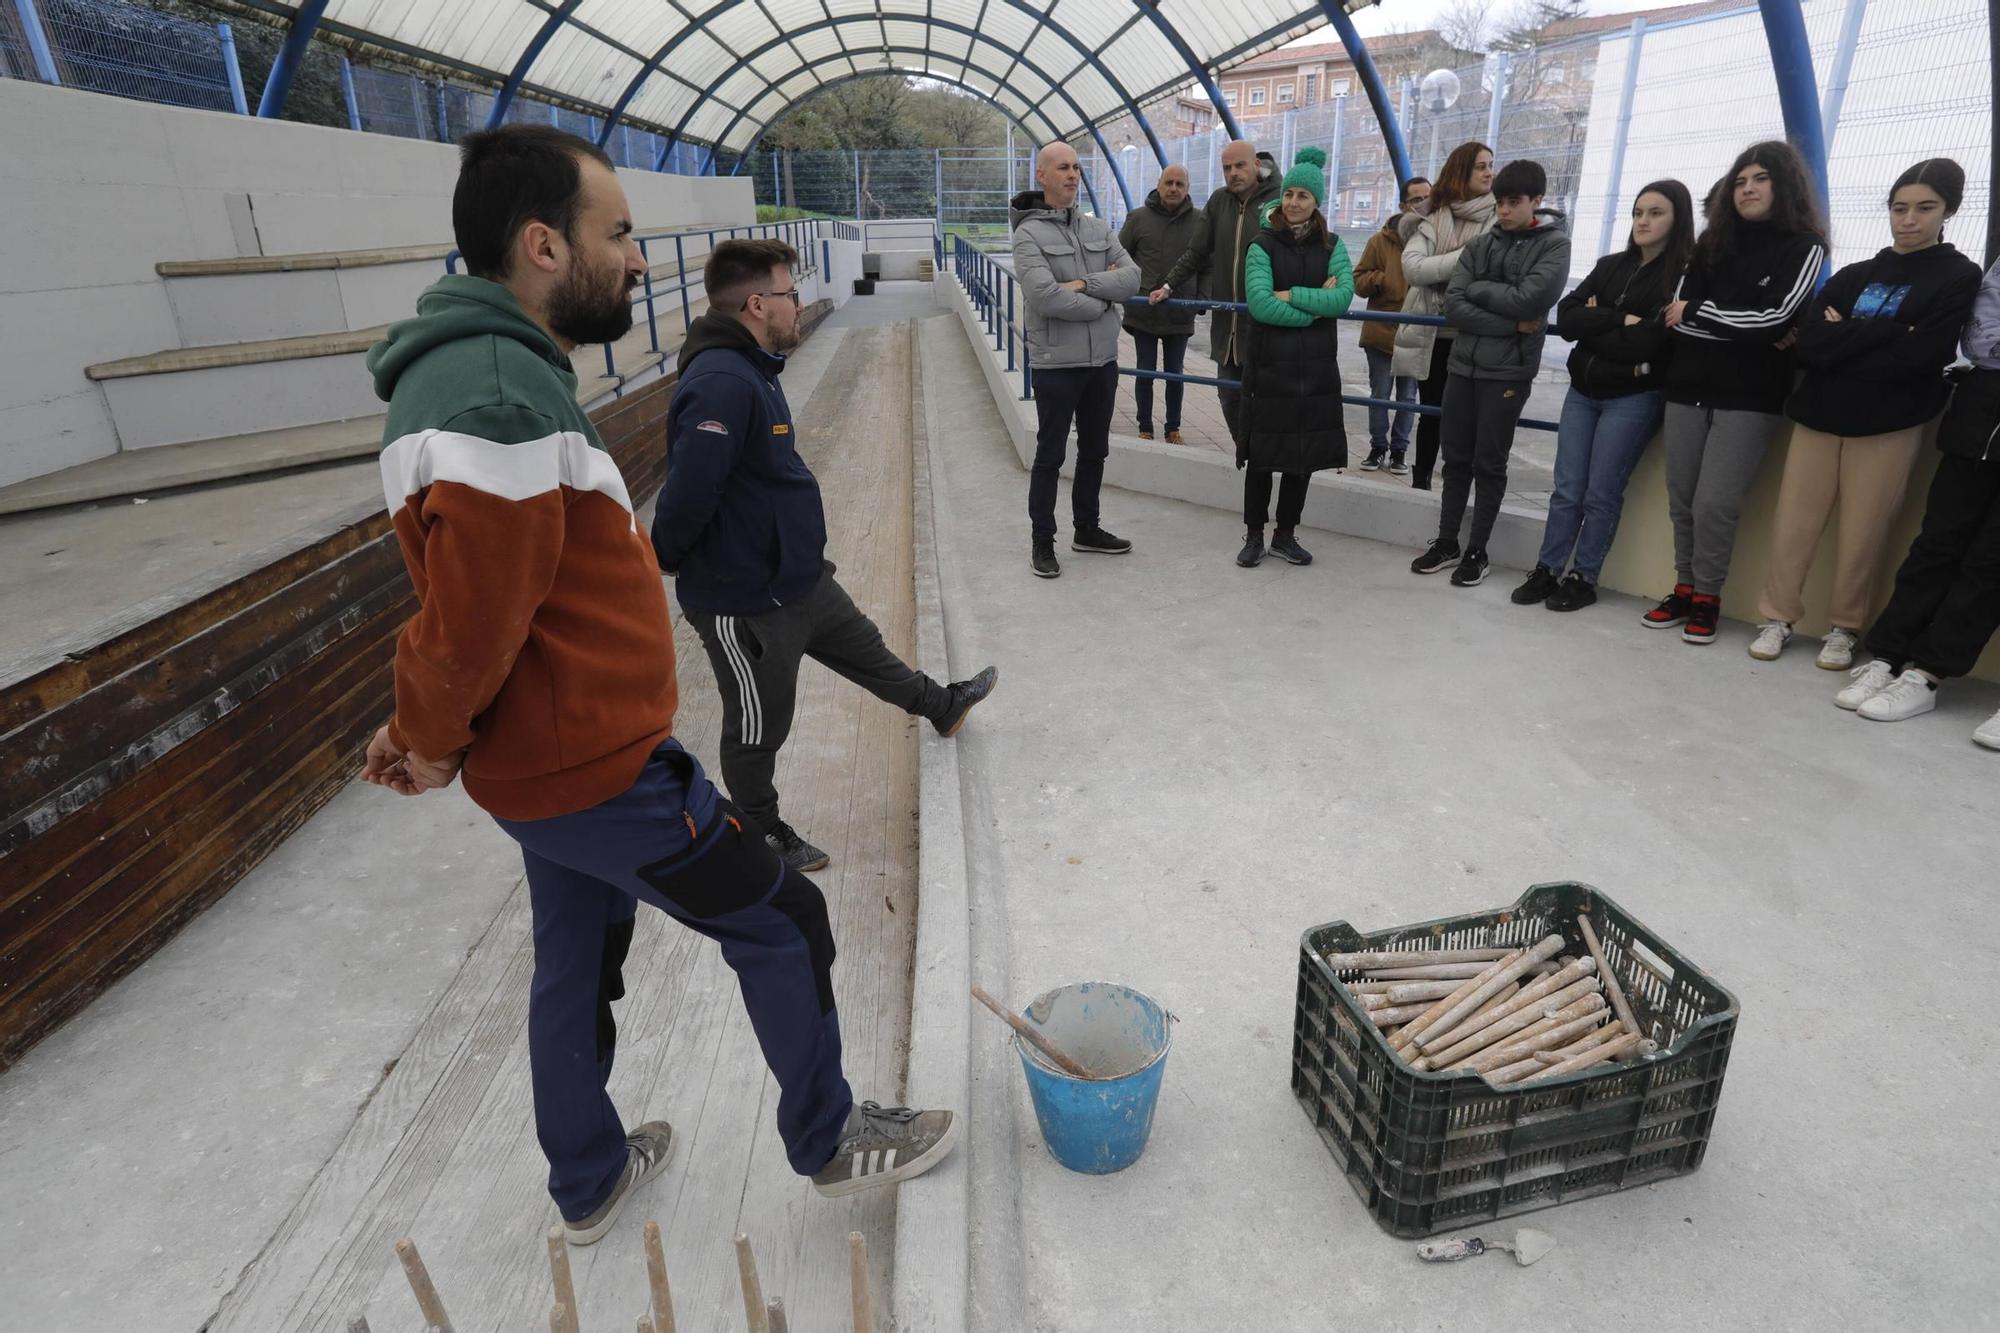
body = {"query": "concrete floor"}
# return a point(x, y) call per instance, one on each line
point(1193, 763)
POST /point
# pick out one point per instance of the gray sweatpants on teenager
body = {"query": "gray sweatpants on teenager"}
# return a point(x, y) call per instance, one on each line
point(1712, 458)
point(756, 661)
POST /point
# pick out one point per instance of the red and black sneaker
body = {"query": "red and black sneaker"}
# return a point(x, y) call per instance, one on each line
point(1703, 612)
point(1673, 608)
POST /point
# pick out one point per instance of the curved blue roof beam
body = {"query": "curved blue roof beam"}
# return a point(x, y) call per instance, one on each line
point(1026, 129)
point(701, 21)
point(844, 20)
point(505, 97)
point(285, 68)
point(1371, 83)
point(977, 37)
point(914, 71)
point(1151, 9)
point(1798, 89)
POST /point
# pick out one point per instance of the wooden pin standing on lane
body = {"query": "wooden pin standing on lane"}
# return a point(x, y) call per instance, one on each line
point(774, 1315)
point(656, 1281)
point(753, 1290)
point(857, 1273)
point(559, 1276)
point(422, 1287)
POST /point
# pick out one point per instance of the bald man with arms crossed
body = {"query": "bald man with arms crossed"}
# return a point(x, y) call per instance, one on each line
point(1211, 268)
point(1074, 277)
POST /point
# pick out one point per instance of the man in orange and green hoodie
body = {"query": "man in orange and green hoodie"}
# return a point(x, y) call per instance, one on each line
point(540, 665)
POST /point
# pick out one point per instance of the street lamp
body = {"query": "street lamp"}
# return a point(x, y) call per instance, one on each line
point(1130, 153)
point(1436, 94)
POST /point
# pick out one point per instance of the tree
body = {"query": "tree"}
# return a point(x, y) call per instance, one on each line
point(1527, 25)
point(1466, 24)
point(947, 118)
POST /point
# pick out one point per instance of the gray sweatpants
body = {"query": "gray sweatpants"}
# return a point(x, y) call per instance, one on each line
point(756, 661)
point(1712, 457)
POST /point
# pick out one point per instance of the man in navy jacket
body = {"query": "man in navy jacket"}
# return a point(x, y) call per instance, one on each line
point(741, 527)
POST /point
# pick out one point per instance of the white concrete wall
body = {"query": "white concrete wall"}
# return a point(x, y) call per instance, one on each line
point(99, 189)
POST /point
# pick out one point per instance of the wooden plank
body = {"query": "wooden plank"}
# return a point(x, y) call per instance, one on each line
point(156, 625)
point(84, 749)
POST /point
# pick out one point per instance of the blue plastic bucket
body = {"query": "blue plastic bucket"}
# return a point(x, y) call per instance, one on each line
point(1097, 1125)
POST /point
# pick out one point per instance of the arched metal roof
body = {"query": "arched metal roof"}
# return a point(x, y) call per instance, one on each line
point(722, 69)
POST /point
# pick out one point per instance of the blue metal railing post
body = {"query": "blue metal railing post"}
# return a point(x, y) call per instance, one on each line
point(233, 69)
point(1010, 326)
point(443, 115)
point(1498, 105)
point(1371, 83)
point(1843, 61)
point(290, 56)
point(681, 268)
point(652, 322)
point(1798, 91)
point(1333, 202)
point(38, 42)
point(1027, 354)
point(1634, 46)
point(347, 93)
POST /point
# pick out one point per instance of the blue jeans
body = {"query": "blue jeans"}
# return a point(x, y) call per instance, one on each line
point(1397, 388)
point(1598, 443)
point(1148, 346)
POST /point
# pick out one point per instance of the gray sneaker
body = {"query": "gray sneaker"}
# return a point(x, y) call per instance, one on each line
point(885, 1144)
point(647, 1149)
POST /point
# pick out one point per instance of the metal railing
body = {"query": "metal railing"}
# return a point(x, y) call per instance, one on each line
point(799, 234)
point(991, 285)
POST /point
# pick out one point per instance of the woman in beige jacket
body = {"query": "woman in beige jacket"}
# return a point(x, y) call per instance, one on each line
point(1460, 207)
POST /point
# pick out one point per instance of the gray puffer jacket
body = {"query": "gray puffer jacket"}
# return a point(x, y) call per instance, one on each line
point(1069, 329)
point(1502, 278)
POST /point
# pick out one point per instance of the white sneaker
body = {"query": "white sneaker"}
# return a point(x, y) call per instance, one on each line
point(1870, 679)
point(1837, 654)
point(1988, 733)
point(1771, 638)
point(1910, 696)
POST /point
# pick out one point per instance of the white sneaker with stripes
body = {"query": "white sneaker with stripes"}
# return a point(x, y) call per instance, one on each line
point(885, 1144)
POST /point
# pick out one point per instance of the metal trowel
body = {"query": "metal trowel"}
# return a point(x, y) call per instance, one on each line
point(1527, 1246)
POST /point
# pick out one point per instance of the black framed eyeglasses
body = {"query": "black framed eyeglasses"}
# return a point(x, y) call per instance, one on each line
point(792, 295)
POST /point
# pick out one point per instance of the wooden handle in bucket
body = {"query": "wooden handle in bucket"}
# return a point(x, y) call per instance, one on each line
point(1033, 1036)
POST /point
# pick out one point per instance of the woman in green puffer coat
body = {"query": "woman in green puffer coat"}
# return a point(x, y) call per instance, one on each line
point(1297, 280)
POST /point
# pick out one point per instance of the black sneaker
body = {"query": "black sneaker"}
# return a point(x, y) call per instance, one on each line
point(1398, 465)
point(964, 694)
point(1285, 544)
point(1374, 460)
point(884, 1144)
point(1471, 571)
point(1703, 612)
point(1099, 541)
point(1673, 609)
point(1442, 553)
point(1538, 587)
point(1044, 561)
point(1574, 593)
point(795, 851)
point(1252, 553)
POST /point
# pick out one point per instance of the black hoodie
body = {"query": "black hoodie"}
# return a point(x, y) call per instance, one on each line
point(740, 522)
point(1612, 358)
point(1880, 368)
point(1740, 306)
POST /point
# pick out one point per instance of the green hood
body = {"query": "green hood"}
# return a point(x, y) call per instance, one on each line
point(453, 309)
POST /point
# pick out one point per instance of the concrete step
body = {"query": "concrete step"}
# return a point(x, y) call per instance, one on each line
point(263, 297)
point(202, 393)
point(256, 299)
point(203, 462)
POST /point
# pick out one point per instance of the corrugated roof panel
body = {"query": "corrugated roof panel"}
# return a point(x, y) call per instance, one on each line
point(491, 34)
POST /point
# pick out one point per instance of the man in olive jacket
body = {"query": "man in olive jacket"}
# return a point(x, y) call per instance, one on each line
point(1075, 279)
point(1211, 268)
point(1156, 236)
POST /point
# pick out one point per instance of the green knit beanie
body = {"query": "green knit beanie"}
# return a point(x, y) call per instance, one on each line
point(1309, 173)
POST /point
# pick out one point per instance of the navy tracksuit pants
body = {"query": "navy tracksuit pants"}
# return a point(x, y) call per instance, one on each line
point(673, 841)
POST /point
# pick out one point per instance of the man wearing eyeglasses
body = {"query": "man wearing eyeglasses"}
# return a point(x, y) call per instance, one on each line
point(741, 527)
